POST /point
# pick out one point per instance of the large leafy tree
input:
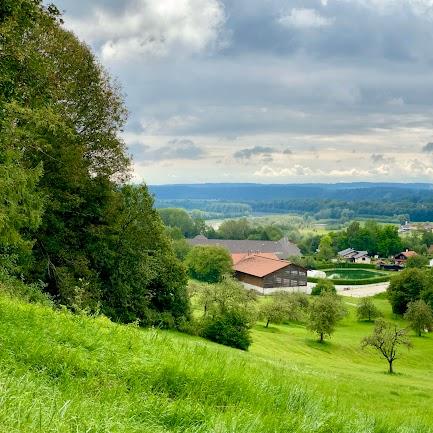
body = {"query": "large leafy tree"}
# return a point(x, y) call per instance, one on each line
point(62, 115)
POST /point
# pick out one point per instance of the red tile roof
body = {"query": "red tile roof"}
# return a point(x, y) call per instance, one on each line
point(259, 265)
point(408, 254)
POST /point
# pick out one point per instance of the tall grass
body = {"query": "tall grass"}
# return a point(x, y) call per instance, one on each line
point(69, 373)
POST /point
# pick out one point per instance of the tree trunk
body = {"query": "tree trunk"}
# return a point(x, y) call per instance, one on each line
point(267, 323)
point(391, 371)
point(321, 337)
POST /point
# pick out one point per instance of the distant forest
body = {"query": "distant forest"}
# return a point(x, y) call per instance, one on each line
point(322, 201)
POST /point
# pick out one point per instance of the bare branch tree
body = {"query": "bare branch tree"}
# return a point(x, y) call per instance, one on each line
point(385, 339)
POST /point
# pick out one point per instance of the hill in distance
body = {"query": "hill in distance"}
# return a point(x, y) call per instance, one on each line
point(256, 192)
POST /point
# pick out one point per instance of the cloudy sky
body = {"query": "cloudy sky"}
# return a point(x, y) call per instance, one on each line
point(269, 91)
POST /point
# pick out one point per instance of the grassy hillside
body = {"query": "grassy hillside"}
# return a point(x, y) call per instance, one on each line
point(66, 373)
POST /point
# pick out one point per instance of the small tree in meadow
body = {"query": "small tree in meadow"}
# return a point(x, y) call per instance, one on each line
point(420, 316)
point(386, 339)
point(283, 306)
point(323, 285)
point(324, 313)
point(367, 310)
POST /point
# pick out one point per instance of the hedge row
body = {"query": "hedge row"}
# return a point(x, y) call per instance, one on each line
point(341, 282)
point(343, 265)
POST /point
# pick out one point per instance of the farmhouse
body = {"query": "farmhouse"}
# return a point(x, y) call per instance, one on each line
point(353, 256)
point(402, 257)
point(266, 271)
point(282, 248)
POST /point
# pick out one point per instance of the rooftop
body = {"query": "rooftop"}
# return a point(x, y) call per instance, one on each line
point(282, 248)
point(259, 265)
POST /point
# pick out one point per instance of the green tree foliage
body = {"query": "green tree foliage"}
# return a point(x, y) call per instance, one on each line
point(20, 203)
point(209, 263)
point(405, 287)
point(323, 285)
point(181, 219)
point(386, 338)
point(231, 329)
point(416, 262)
point(371, 237)
point(324, 313)
point(228, 313)
point(235, 229)
point(367, 310)
point(326, 252)
point(243, 229)
point(420, 316)
point(282, 307)
point(98, 241)
point(142, 271)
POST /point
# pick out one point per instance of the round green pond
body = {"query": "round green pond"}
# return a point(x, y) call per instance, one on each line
point(352, 274)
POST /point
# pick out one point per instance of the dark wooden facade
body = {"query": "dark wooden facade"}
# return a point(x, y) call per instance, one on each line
point(290, 276)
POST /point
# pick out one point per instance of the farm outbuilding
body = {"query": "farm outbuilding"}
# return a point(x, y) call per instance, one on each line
point(267, 272)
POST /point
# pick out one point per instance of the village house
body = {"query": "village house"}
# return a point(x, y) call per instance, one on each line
point(353, 256)
point(402, 257)
point(282, 248)
point(267, 271)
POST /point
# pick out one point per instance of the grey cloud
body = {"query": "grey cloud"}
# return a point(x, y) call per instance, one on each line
point(287, 152)
point(175, 149)
point(253, 151)
point(368, 72)
point(379, 158)
point(428, 148)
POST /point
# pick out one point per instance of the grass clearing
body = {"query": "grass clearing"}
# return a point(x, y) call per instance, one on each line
point(64, 373)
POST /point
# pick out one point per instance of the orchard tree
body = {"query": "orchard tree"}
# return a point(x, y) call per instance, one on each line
point(283, 306)
point(386, 339)
point(420, 316)
point(209, 263)
point(324, 313)
point(367, 310)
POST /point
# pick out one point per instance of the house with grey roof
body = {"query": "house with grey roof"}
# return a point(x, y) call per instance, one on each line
point(353, 256)
point(282, 248)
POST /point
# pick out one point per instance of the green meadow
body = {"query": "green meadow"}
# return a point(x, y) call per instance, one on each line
point(61, 372)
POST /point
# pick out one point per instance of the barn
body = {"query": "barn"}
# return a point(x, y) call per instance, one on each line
point(267, 272)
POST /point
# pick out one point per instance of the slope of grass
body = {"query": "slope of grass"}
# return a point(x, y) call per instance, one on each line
point(66, 373)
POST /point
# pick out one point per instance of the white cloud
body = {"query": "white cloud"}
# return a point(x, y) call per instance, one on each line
point(154, 28)
point(304, 19)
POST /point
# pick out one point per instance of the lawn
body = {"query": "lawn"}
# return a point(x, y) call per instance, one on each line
point(70, 373)
point(354, 377)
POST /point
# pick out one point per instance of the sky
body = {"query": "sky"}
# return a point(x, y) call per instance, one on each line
point(269, 91)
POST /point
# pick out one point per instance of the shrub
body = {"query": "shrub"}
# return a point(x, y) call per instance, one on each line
point(323, 285)
point(417, 262)
point(367, 310)
point(231, 328)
